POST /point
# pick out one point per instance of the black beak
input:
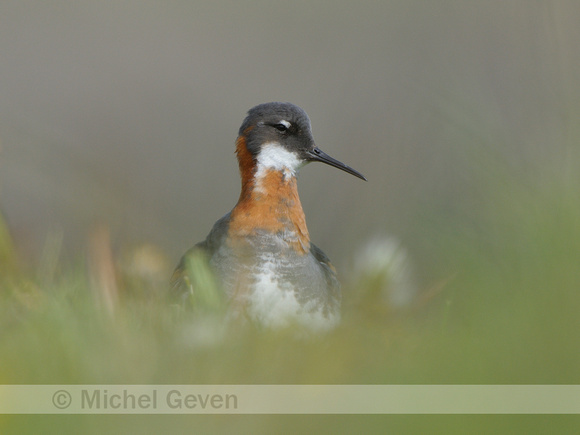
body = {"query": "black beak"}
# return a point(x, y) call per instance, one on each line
point(316, 155)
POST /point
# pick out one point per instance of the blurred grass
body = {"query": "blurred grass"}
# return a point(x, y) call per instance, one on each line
point(500, 305)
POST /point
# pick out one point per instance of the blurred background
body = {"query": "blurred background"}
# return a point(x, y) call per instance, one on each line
point(118, 119)
point(125, 113)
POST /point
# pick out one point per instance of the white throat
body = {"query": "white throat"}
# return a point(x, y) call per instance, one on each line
point(274, 156)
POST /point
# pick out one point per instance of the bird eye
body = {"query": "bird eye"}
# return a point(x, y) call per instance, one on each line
point(282, 126)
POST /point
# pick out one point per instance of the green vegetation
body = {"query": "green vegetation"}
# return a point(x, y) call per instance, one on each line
point(501, 306)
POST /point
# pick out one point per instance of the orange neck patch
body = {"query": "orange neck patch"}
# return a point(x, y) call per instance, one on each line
point(270, 203)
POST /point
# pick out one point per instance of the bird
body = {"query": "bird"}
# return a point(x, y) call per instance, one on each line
point(260, 252)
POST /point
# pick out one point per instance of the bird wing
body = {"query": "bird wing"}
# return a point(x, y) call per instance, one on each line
point(193, 277)
point(181, 282)
point(328, 269)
